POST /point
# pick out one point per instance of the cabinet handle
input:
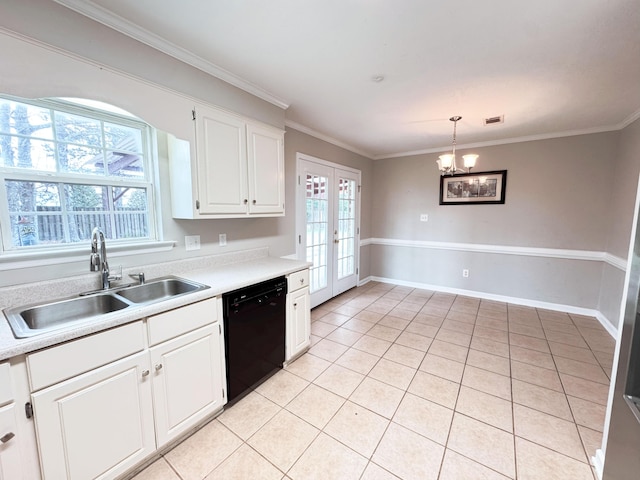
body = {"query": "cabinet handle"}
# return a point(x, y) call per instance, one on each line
point(145, 373)
point(254, 202)
point(7, 437)
point(295, 305)
point(246, 201)
point(158, 367)
point(301, 281)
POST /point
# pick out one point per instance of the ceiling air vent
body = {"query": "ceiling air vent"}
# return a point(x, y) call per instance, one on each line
point(493, 120)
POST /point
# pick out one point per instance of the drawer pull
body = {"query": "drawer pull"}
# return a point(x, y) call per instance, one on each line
point(301, 281)
point(145, 373)
point(158, 367)
point(295, 305)
point(7, 437)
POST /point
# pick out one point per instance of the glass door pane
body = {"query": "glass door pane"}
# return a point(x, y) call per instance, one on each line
point(317, 213)
point(346, 227)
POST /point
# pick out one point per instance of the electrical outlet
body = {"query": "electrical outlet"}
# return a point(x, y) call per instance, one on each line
point(424, 217)
point(465, 273)
point(192, 242)
point(222, 239)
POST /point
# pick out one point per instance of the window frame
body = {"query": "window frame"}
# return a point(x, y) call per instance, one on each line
point(149, 182)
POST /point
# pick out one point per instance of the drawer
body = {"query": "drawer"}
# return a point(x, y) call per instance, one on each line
point(55, 364)
point(6, 393)
point(298, 280)
point(173, 323)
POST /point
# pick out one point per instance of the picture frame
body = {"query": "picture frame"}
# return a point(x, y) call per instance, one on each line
point(485, 188)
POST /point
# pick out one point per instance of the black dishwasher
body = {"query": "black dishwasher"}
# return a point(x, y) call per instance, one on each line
point(254, 334)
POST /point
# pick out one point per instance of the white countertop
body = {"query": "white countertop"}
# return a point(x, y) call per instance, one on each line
point(220, 278)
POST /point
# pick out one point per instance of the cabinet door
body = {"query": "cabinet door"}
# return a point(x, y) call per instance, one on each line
point(266, 170)
point(222, 165)
point(96, 425)
point(187, 381)
point(10, 462)
point(298, 322)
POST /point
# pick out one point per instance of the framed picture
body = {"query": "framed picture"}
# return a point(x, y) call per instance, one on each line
point(473, 188)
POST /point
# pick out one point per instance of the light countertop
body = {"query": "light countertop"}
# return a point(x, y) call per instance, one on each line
point(221, 273)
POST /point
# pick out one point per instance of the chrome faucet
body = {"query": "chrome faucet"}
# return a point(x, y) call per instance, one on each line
point(98, 259)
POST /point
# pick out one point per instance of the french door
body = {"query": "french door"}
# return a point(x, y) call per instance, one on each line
point(328, 225)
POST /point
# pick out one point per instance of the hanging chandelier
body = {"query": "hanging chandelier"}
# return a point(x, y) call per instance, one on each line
point(447, 162)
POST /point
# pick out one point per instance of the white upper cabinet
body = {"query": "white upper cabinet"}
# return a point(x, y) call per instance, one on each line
point(238, 169)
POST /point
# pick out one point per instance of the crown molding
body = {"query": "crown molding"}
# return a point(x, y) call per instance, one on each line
point(99, 14)
point(321, 136)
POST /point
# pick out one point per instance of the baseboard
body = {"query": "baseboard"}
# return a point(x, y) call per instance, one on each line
point(598, 463)
point(503, 298)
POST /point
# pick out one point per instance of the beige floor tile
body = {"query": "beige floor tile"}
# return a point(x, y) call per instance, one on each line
point(158, 470)
point(327, 458)
point(314, 339)
point(339, 380)
point(554, 316)
point(490, 346)
point(532, 343)
point(384, 333)
point(293, 437)
point(315, 405)
point(282, 387)
point(481, 331)
point(372, 345)
point(328, 350)
point(591, 439)
point(485, 407)
point(599, 341)
point(406, 315)
point(483, 443)
point(436, 389)
point(348, 310)
point(369, 316)
point(532, 357)
point(357, 325)
point(566, 338)
point(427, 319)
point(393, 322)
point(588, 371)
point(435, 310)
point(536, 462)
point(421, 329)
point(245, 463)
point(491, 322)
point(375, 472)
point(335, 318)
point(322, 329)
point(415, 341)
point(449, 350)
point(458, 326)
point(531, 331)
point(549, 431)
point(358, 428)
point(574, 353)
point(424, 417)
point(457, 467)
point(588, 414)
point(542, 399)
point(542, 377)
point(308, 367)
point(585, 389)
point(454, 337)
point(442, 367)
point(404, 355)
point(249, 414)
point(549, 326)
point(487, 382)
point(487, 361)
point(408, 455)
point(462, 317)
point(410, 304)
point(203, 451)
point(318, 312)
point(358, 361)
point(378, 397)
point(344, 336)
point(393, 373)
point(379, 308)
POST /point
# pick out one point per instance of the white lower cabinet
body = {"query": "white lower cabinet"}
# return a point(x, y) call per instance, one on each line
point(298, 314)
point(187, 381)
point(96, 425)
point(10, 462)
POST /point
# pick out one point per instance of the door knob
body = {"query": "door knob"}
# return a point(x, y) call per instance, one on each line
point(145, 373)
point(158, 367)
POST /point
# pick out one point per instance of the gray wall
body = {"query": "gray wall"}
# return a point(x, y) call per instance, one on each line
point(557, 197)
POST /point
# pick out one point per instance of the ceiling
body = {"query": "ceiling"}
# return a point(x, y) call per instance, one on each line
point(552, 68)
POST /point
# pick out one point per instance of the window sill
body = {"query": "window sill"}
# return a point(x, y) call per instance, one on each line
point(14, 261)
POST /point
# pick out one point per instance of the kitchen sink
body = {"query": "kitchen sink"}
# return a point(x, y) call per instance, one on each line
point(31, 320)
point(159, 289)
point(38, 319)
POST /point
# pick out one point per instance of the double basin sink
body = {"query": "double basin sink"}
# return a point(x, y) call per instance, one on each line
point(28, 321)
